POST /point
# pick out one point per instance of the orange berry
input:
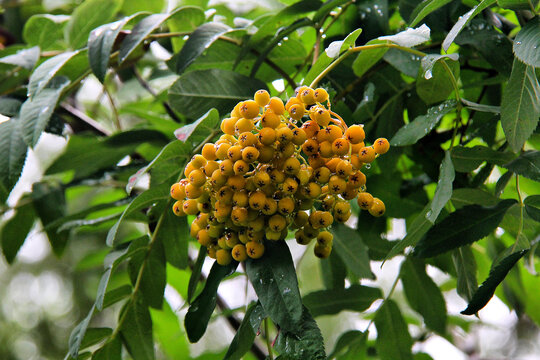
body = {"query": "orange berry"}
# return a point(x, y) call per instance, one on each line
point(267, 136)
point(311, 128)
point(367, 154)
point(254, 249)
point(270, 119)
point(178, 191)
point(377, 208)
point(340, 146)
point(276, 105)
point(355, 134)
point(249, 109)
point(297, 111)
point(320, 115)
point(321, 95)
point(209, 151)
point(381, 145)
point(262, 97)
point(364, 200)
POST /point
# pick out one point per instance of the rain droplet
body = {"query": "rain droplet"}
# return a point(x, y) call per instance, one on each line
point(185, 37)
point(285, 38)
point(428, 214)
point(518, 42)
point(279, 44)
point(98, 31)
point(368, 166)
point(428, 75)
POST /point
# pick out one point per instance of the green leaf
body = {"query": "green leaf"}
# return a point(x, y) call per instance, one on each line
point(333, 271)
point(198, 42)
point(115, 295)
point(13, 150)
point(45, 31)
point(443, 192)
point(201, 309)
point(481, 107)
point(527, 164)
point(94, 335)
point(532, 206)
point(393, 339)
point(199, 130)
point(100, 44)
point(502, 182)
point(493, 45)
point(350, 248)
point(333, 50)
point(467, 159)
point(418, 228)
point(87, 16)
point(78, 333)
point(136, 330)
point(133, 6)
point(186, 20)
point(9, 107)
point(174, 235)
point(245, 335)
point(112, 350)
point(195, 276)
point(14, 232)
point(328, 302)
point(50, 205)
point(196, 92)
point(274, 279)
point(475, 222)
point(465, 265)
point(520, 106)
point(423, 294)
point(43, 74)
point(466, 196)
point(24, 58)
point(153, 278)
point(325, 9)
point(425, 8)
point(498, 272)
point(146, 199)
point(422, 125)
point(36, 111)
point(462, 21)
point(434, 83)
point(307, 343)
point(351, 345)
point(515, 4)
point(368, 58)
point(403, 61)
point(527, 43)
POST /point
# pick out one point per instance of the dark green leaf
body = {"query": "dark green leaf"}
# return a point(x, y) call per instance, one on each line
point(174, 235)
point(481, 107)
point(443, 192)
point(136, 330)
point(492, 45)
point(78, 333)
point(520, 106)
point(112, 350)
point(50, 205)
point(351, 345)
point(146, 199)
point(196, 92)
point(198, 42)
point(465, 196)
point(393, 339)
point(184, 21)
point(330, 53)
point(434, 83)
point(37, 110)
point(87, 16)
point(350, 248)
point(14, 232)
point(422, 125)
point(532, 206)
point(245, 335)
point(368, 58)
point(13, 150)
point(423, 294)
point(462, 21)
point(475, 222)
point(527, 164)
point(325, 8)
point(419, 227)
point(45, 31)
point(502, 182)
point(465, 264)
point(100, 44)
point(24, 58)
point(467, 159)
point(202, 307)
point(515, 4)
point(9, 107)
point(527, 43)
point(102, 288)
point(153, 277)
point(424, 9)
point(328, 302)
point(307, 343)
point(274, 279)
point(94, 336)
point(498, 272)
point(405, 62)
point(195, 276)
point(333, 271)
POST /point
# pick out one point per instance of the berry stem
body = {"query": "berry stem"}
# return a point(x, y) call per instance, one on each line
point(268, 344)
point(521, 206)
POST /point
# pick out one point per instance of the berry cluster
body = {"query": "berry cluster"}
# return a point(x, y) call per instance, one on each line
point(271, 171)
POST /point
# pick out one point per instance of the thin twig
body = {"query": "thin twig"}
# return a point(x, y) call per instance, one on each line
point(86, 119)
point(116, 117)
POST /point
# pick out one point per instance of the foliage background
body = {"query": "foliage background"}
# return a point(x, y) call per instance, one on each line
point(85, 120)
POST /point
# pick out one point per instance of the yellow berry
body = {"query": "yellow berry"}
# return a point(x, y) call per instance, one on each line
point(321, 95)
point(381, 145)
point(276, 105)
point(254, 249)
point(262, 97)
point(239, 252)
point(377, 208)
point(364, 200)
point(223, 257)
point(178, 208)
point(355, 134)
point(367, 154)
point(322, 251)
point(249, 109)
